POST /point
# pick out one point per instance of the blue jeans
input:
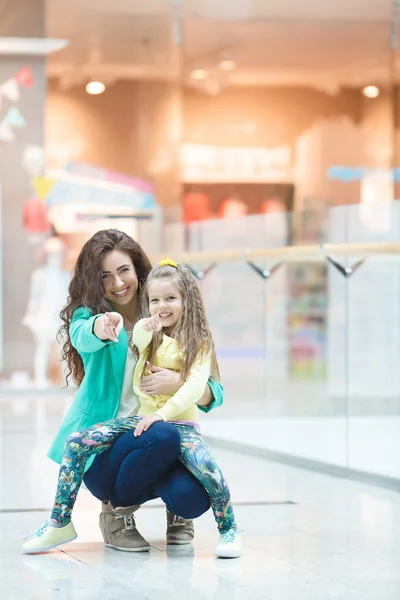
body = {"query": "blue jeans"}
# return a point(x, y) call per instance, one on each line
point(137, 469)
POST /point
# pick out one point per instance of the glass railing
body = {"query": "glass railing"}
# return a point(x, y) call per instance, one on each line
point(308, 339)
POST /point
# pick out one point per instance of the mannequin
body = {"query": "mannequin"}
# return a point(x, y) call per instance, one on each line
point(47, 296)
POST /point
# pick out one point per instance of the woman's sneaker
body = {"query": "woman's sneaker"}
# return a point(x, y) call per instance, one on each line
point(119, 530)
point(46, 538)
point(229, 545)
point(179, 531)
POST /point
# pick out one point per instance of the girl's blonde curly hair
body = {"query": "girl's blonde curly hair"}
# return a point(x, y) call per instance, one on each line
point(192, 331)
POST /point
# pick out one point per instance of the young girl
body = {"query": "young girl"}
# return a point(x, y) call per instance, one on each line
point(175, 336)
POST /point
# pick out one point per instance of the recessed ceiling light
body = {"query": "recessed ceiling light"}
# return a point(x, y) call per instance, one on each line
point(227, 65)
point(371, 91)
point(199, 74)
point(95, 87)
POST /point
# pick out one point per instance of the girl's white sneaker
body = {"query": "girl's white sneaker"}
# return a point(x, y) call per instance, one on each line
point(229, 545)
point(46, 538)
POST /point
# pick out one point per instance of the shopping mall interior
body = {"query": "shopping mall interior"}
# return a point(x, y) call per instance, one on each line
point(256, 143)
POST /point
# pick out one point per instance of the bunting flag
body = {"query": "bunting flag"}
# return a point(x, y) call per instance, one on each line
point(14, 118)
point(43, 185)
point(10, 90)
point(6, 133)
point(24, 77)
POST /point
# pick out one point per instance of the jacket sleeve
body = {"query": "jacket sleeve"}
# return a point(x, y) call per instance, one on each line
point(191, 391)
point(217, 390)
point(81, 332)
point(140, 337)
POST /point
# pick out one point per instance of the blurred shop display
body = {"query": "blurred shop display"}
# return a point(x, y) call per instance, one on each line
point(47, 296)
point(202, 201)
point(35, 216)
point(33, 160)
point(307, 321)
point(225, 164)
point(81, 199)
point(196, 207)
point(309, 227)
point(230, 183)
point(272, 205)
point(376, 198)
point(233, 208)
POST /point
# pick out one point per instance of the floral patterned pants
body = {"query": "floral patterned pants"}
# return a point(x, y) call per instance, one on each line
point(194, 454)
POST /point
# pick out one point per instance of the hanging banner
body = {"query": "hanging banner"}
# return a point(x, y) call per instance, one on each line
point(98, 194)
point(6, 133)
point(87, 170)
point(24, 77)
point(43, 185)
point(10, 90)
point(14, 118)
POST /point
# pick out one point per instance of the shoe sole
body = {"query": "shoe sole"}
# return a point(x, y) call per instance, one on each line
point(50, 547)
point(143, 549)
point(228, 554)
point(179, 542)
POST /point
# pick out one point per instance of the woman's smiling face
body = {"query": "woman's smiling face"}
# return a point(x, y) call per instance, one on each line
point(119, 278)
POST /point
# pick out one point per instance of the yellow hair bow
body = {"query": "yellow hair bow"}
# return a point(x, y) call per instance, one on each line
point(168, 262)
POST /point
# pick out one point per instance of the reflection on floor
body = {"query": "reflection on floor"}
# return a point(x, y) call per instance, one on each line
point(370, 443)
point(336, 539)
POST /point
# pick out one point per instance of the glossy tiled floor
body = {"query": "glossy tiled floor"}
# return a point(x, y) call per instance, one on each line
point(371, 439)
point(337, 540)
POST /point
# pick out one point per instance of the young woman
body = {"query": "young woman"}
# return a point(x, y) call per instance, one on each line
point(109, 274)
point(177, 336)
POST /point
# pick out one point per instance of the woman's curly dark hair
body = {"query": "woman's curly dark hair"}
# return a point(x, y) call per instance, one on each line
point(87, 288)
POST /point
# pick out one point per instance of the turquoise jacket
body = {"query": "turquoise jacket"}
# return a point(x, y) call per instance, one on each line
point(98, 396)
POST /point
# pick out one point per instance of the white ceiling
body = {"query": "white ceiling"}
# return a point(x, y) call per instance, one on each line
point(325, 54)
point(324, 43)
